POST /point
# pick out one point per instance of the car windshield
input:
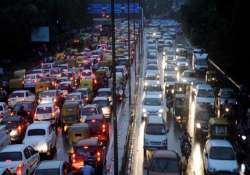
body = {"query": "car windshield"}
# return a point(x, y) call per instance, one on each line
point(155, 129)
point(151, 77)
point(188, 74)
point(10, 156)
point(55, 171)
point(171, 78)
point(26, 106)
point(101, 102)
point(152, 67)
point(36, 132)
point(89, 111)
point(17, 94)
point(182, 60)
point(73, 97)
point(104, 93)
point(86, 150)
point(153, 88)
point(205, 93)
point(164, 165)
point(152, 101)
point(47, 94)
point(201, 62)
point(44, 110)
point(227, 94)
point(222, 153)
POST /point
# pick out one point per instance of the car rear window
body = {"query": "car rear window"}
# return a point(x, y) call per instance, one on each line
point(155, 129)
point(44, 110)
point(36, 132)
point(165, 165)
point(222, 153)
point(10, 156)
point(17, 94)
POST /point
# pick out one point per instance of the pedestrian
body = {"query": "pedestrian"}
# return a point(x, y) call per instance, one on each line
point(88, 169)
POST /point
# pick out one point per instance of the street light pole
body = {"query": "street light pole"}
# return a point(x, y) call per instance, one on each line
point(129, 58)
point(114, 88)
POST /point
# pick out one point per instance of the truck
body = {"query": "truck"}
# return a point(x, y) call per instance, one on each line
point(199, 61)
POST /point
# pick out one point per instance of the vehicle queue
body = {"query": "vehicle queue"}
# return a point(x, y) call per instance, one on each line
point(188, 81)
point(69, 93)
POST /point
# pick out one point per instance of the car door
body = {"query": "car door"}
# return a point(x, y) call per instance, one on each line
point(52, 136)
point(33, 159)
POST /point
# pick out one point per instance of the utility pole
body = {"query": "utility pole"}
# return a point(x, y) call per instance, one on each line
point(129, 58)
point(114, 88)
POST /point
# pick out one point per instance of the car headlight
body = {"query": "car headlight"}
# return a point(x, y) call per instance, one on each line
point(172, 91)
point(146, 83)
point(186, 64)
point(160, 111)
point(13, 132)
point(198, 125)
point(227, 109)
point(144, 110)
point(243, 137)
point(184, 80)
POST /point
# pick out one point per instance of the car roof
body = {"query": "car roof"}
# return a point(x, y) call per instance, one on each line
point(14, 148)
point(104, 89)
point(20, 91)
point(49, 164)
point(89, 141)
point(152, 96)
point(100, 98)
point(39, 125)
point(164, 154)
point(219, 143)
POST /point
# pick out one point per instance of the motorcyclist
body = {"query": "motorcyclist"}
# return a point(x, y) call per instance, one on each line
point(186, 144)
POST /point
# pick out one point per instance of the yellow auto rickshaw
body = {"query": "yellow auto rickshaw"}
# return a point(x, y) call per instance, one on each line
point(60, 55)
point(42, 85)
point(78, 131)
point(87, 82)
point(70, 114)
point(218, 128)
point(106, 60)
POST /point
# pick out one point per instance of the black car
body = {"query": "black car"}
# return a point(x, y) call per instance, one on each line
point(16, 125)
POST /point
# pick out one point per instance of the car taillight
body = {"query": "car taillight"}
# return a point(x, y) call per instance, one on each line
point(103, 127)
point(93, 121)
point(19, 169)
point(19, 128)
point(53, 114)
point(98, 156)
point(35, 116)
point(95, 81)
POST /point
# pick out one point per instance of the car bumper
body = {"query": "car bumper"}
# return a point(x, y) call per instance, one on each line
point(155, 147)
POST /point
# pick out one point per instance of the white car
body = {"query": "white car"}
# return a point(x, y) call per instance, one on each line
point(21, 159)
point(219, 156)
point(155, 134)
point(75, 96)
point(182, 63)
point(205, 94)
point(3, 109)
point(53, 167)
point(152, 105)
point(188, 76)
point(153, 89)
point(151, 78)
point(104, 103)
point(47, 112)
point(105, 92)
point(42, 137)
point(20, 95)
point(30, 80)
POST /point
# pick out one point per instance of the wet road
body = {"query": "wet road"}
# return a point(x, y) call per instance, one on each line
point(195, 163)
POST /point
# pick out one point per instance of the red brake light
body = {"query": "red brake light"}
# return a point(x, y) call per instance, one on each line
point(19, 169)
point(93, 121)
point(19, 128)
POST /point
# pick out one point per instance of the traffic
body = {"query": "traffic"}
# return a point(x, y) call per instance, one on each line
point(56, 117)
point(190, 120)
